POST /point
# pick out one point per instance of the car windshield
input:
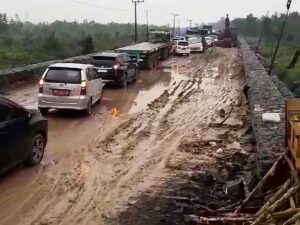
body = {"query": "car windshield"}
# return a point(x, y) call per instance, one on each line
point(103, 61)
point(194, 41)
point(63, 75)
point(183, 43)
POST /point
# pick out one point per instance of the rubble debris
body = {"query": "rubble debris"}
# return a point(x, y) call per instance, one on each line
point(235, 189)
point(271, 117)
point(234, 145)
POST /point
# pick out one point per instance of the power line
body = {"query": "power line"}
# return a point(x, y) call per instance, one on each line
point(98, 6)
point(288, 5)
point(261, 33)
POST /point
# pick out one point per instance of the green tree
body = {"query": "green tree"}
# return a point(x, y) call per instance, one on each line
point(87, 45)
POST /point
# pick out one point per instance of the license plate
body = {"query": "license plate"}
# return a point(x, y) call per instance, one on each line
point(61, 92)
point(183, 48)
point(102, 71)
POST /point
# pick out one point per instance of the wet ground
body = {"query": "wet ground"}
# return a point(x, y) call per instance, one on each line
point(176, 128)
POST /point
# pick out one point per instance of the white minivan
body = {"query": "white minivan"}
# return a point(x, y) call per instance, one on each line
point(196, 44)
point(69, 86)
point(182, 48)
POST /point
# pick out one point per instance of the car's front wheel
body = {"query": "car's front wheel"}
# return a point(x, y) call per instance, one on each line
point(36, 150)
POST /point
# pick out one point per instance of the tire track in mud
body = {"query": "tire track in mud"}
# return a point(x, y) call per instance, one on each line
point(136, 154)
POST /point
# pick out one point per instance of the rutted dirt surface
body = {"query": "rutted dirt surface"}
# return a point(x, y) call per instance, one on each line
point(180, 135)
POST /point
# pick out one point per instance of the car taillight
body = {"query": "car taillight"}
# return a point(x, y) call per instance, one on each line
point(83, 88)
point(41, 86)
point(116, 66)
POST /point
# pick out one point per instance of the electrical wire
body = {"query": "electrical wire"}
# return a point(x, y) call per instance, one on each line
point(98, 6)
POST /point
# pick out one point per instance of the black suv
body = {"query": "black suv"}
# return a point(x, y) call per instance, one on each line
point(23, 135)
point(117, 68)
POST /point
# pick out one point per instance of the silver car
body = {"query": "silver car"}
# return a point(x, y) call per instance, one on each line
point(69, 86)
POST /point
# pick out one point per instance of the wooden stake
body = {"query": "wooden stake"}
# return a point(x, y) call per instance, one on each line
point(278, 199)
point(293, 219)
point(292, 167)
point(284, 214)
point(260, 184)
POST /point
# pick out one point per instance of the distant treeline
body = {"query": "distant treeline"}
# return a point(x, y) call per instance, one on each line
point(287, 64)
point(24, 43)
point(251, 26)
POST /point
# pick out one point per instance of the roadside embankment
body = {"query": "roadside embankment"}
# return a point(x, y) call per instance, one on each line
point(265, 96)
point(25, 73)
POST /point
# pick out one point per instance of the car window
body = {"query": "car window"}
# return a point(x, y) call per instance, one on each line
point(183, 43)
point(194, 41)
point(88, 75)
point(103, 61)
point(63, 75)
point(7, 113)
point(126, 59)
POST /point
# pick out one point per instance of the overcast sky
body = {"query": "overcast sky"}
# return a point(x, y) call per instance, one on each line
point(121, 11)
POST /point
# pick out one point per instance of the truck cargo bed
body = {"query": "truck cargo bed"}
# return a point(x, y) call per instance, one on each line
point(144, 47)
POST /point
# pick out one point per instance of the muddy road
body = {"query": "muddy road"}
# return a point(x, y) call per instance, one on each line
point(188, 115)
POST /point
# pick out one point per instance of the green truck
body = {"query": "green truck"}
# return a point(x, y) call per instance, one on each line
point(148, 53)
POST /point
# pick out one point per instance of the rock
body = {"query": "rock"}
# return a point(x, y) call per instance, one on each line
point(205, 177)
point(224, 174)
point(132, 202)
point(234, 145)
point(220, 151)
point(222, 113)
point(157, 208)
point(189, 219)
point(235, 189)
point(213, 143)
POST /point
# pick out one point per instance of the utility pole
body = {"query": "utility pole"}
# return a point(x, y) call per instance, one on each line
point(136, 2)
point(288, 6)
point(190, 23)
point(147, 18)
point(174, 21)
point(178, 25)
point(261, 34)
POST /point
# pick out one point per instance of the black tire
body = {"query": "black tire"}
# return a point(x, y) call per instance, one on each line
point(36, 150)
point(136, 75)
point(124, 82)
point(101, 97)
point(44, 111)
point(88, 110)
point(150, 62)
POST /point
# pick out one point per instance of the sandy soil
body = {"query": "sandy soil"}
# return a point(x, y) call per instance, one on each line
point(189, 115)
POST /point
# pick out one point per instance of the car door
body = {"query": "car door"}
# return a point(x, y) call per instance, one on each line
point(96, 82)
point(14, 134)
point(92, 89)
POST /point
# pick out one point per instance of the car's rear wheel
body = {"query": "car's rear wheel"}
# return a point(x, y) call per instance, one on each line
point(88, 110)
point(36, 151)
point(44, 111)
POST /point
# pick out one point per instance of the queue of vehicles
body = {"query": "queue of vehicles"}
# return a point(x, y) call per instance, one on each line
point(74, 86)
point(71, 86)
